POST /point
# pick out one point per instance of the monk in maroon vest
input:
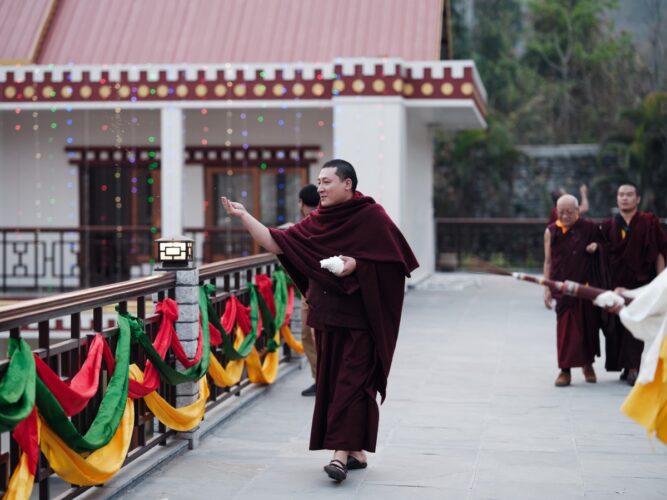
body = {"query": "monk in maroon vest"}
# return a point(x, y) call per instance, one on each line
point(637, 246)
point(355, 312)
point(569, 247)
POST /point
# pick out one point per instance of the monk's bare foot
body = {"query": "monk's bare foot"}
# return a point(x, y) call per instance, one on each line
point(341, 455)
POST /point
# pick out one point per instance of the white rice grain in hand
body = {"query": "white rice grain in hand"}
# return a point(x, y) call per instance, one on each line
point(333, 264)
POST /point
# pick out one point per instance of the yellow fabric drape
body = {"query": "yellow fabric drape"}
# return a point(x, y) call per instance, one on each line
point(96, 468)
point(266, 372)
point(20, 484)
point(293, 343)
point(179, 419)
point(231, 374)
point(647, 403)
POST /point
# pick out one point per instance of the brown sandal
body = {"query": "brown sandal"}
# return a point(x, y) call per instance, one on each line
point(336, 470)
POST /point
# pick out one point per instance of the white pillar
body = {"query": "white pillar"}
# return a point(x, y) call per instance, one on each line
point(369, 132)
point(418, 201)
point(171, 171)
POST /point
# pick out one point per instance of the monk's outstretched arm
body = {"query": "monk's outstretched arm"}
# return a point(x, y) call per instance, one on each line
point(259, 232)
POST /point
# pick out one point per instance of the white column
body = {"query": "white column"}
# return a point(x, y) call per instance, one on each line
point(171, 171)
point(418, 202)
point(369, 132)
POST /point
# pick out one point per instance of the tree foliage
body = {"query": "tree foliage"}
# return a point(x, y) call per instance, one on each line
point(478, 178)
point(644, 151)
point(556, 71)
point(585, 68)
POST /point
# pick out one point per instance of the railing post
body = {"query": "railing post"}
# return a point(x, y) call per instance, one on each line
point(187, 330)
point(177, 255)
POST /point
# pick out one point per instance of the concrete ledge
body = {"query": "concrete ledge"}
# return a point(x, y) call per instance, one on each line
point(143, 467)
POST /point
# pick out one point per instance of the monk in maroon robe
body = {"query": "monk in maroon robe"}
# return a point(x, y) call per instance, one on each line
point(355, 312)
point(637, 247)
point(570, 245)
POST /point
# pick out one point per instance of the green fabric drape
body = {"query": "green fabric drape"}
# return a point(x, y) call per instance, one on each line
point(227, 345)
point(17, 387)
point(167, 373)
point(280, 297)
point(111, 408)
point(267, 322)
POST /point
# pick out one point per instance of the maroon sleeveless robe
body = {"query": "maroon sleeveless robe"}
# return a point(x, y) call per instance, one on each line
point(577, 320)
point(632, 251)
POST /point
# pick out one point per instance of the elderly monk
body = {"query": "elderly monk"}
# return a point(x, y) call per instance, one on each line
point(355, 312)
point(637, 246)
point(569, 245)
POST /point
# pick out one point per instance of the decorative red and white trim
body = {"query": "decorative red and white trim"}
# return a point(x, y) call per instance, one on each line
point(433, 80)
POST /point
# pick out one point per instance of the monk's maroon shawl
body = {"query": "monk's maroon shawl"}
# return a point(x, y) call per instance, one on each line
point(358, 228)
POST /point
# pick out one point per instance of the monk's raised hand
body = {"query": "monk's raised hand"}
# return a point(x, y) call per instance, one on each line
point(349, 265)
point(232, 207)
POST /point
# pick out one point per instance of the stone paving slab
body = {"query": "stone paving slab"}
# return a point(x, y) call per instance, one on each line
point(471, 413)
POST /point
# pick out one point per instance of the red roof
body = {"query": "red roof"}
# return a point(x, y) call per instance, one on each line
point(221, 31)
point(22, 26)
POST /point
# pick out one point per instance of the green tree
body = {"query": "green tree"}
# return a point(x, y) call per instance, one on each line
point(584, 66)
point(474, 172)
point(496, 36)
point(643, 148)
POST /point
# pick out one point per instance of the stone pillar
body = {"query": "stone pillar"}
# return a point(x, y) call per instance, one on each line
point(171, 171)
point(187, 329)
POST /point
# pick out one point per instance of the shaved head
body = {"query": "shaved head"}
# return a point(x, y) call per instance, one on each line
point(567, 200)
point(568, 210)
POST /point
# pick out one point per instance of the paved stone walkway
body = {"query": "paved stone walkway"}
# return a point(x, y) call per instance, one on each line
point(472, 413)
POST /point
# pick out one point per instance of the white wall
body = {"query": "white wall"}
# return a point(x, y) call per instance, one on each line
point(39, 188)
point(37, 185)
point(390, 148)
point(418, 199)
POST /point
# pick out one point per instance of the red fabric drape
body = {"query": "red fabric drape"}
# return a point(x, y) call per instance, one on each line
point(74, 395)
point(25, 434)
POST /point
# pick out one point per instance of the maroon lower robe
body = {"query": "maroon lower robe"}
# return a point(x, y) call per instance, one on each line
point(577, 320)
point(632, 250)
point(356, 318)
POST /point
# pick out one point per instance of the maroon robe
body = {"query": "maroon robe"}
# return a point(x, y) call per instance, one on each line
point(356, 318)
point(632, 250)
point(577, 320)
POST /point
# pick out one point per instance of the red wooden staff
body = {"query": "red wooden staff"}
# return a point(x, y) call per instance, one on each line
point(571, 288)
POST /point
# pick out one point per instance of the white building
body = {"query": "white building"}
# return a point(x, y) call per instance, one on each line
point(125, 120)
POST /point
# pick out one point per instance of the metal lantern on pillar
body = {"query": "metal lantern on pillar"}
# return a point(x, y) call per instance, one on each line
point(175, 253)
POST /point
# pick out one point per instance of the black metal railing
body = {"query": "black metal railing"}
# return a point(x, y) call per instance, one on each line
point(56, 259)
point(512, 243)
point(65, 355)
